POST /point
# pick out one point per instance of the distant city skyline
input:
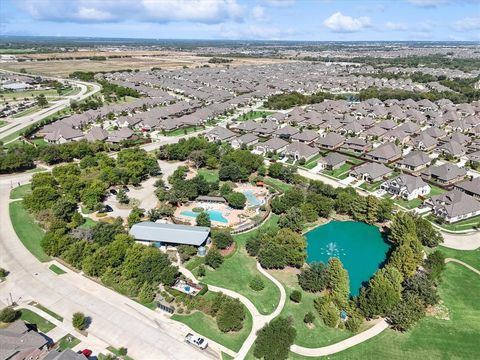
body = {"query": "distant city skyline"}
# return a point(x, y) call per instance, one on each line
point(308, 20)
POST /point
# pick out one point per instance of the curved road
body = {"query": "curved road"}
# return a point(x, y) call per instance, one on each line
point(24, 121)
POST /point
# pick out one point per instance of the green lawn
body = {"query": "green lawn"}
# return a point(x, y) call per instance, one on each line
point(117, 353)
point(467, 224)
point(3, 123)
point(435, 190)
point(43, 325)
point(471, 257)
point(48, 311)
point(253, 115)
point(238, 270)
point(56, 269)
point(313, 161)
point(88, 224)
point(337, 172)
point(29, 232)
point(20, 95)
point(431, 338)
point(20, 191)
point(67, 342)
point(206, 326)
point(278, 185)
point(25, 112)
point(410, 204)
point(209, 175)
point(182, 131)
point(319, 335)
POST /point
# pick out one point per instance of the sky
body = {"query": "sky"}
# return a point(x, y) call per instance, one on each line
point(311, 20)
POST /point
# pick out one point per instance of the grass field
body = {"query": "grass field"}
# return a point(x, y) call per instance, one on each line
point(410, 204)
point(467, 224)
point(29, 232)
point(237, 271)
point(209, 175)
point(319, 335)
point(25, 112)
point(277, 184)
point(182, 131)
point(206, 326)
point(431, 338)
point(254, 115)
point(88, 224)
point(20, 191)
point(43, 325)
point(56, 269)
point(67, 342)
point(313, 162)
point(471, 257)
point(20, 95)
point(337, 172)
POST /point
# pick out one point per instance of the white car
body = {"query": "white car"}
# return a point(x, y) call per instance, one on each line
point(198, 341)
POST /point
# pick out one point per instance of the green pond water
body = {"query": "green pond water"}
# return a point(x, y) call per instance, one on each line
point(359, 246)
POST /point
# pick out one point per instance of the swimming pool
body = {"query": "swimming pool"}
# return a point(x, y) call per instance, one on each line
point(214, 215)
point(251, 198)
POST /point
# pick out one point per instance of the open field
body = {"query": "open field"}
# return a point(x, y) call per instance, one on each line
point(431, 338)
point(142, 60)
point(206, 325)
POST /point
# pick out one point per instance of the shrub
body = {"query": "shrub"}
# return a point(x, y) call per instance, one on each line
point(198, 209)
point(231, 314)
point(122, 351)
point(222, 239)
point(309, 318)
point(213, 258)
point(8, 314)
point(3, 273)
point(296, 296)
point(257, 283)
point(201, 271)
point(79, 321)
point(274, 339)
point(186, 252)
point(354, 322)
point(180, 310)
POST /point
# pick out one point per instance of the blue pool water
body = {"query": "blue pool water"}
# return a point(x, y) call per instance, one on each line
point(359, 246)
point(251, 198)
point(214, 215)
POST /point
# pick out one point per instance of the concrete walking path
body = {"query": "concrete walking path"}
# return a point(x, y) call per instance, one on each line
point(447, 260)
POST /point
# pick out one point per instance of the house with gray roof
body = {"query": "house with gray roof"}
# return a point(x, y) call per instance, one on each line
point(357, 145)
point(305, 136)
point(371, 172)
point(332, 161)
point(96, 133)
point(386, 153)
point(406, 186)
point(19, 341)
point(62, 134)
point(470, 187)
point(245, 139)
point(424, 142)
point(219, 133)
point(331, 141)
point(446, 174)
point(453, 206)
point(451, 148)
point(67, 354)
point(271, 145)
point(286, 132)
point(297, 150)
point(414, 161)
point(170, 234)
point(120, 135)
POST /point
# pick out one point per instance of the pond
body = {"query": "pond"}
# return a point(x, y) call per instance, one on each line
point(359, 246)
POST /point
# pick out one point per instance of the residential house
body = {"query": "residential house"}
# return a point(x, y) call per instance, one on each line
point(357, 145)
point(245, 139)
point(18, 341)
point(414, 161)
point(331, 141)
point(63, 134)
point(332, 161)
point(219, 133)
point(470, 187)
point(286, 132)
point(453, 206)
point(424, 142)
point(446, 174)
point(386, 153)
point(96, 133)
point(272, 145)
point(297, 150)
point(305, 136)
point(371, 172)
point(451, 148)
point(406, 186)
point(120, 135)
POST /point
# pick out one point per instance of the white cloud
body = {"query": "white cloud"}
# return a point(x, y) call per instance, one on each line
point(467, 24)
point(258, 13)
point(92, 11)
point(338, 22)
point(396, 26)
point(280, 2)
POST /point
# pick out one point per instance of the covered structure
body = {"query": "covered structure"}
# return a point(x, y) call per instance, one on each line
point(170, 234)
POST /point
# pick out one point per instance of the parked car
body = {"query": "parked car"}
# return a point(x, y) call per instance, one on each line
point(125, 188)
point(107, 208)
point(198, 341)
point(113, 191)
point(86, 352)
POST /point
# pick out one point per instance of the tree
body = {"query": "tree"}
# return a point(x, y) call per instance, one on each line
point(147, 293)
point(354, 322)
point(257, 283)
point(372, 209)
point(272, 255)
point(338, 281)
point(201, 271)
point(135, 216)
point(407, 312)
point(231, 314)
point(385, 209)
point(309, 318)
point(203, 219)
point(313, 278)
point(222, 239)
point(213, 259)
point(293, 219)
point(422, 286)
point(8, 314)
point(327, 310)
point(296, 296)
point(402, 225)
point(122, 197)
point(435, 264)
point(236, 200)
point(274, 339)
point(41, 100)
point(79, 321)
point(426, 233)
point(294, 245)
point(408, 256)
point(383, 292)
